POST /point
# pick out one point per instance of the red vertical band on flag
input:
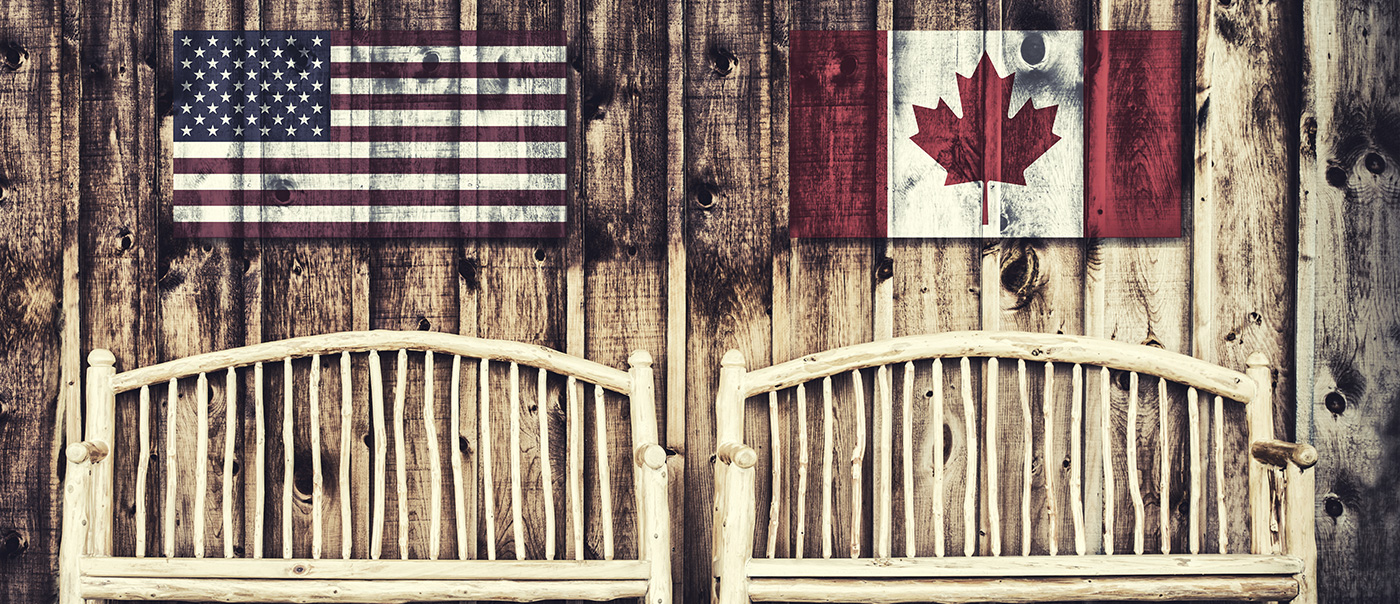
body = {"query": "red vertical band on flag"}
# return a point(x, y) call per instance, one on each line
point(1132, 167)
point(837, 153)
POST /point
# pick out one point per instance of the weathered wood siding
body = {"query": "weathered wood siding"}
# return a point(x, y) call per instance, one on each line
point(678, 244)
point(1349, 293)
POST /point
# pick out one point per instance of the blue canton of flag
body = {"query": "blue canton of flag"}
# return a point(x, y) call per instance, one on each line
point(253, 85)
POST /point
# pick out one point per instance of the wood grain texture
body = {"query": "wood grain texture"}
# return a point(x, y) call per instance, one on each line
point(30, 261)
point(728, 227)
point(1247, 91)
point(1347, 405)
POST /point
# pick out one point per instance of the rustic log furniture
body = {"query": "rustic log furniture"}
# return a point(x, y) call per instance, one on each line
point(89, 569)
point(1070, 563)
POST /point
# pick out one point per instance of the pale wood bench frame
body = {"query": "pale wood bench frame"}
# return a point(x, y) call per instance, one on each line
point(87, 571)
point(1282, 565)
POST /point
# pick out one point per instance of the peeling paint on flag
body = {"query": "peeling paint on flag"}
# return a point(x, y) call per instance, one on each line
point(986, 134)
point(370, 134)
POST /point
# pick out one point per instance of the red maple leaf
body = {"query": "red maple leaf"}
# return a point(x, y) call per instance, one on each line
point(970, 148)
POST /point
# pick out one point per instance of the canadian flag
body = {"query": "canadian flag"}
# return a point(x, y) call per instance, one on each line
point(986, 134)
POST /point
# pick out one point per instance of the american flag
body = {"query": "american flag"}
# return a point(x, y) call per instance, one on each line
point(370, 134)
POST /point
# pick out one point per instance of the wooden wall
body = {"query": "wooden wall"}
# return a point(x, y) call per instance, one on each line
point(678, 241)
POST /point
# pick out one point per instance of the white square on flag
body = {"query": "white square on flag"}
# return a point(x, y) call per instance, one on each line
point(1048, 69)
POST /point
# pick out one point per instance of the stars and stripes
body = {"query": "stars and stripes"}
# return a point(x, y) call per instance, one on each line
point(370, 134)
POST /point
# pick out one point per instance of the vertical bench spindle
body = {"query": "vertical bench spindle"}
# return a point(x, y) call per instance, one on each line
point(1105, 431)
point(516, 515)
point(458, 489)
point(230, 432)
point(172, 399)
point(885, 526)
point(1163, 466)
point(802, 461)
point(400, 453)
point(1047, 404)
point(993, 469)
point(260, 465)
point(488, 485)
point(970, 459)
point(143, 464)
point(774, 446)
point(1134, 479)
point(347, 418)
point(1027, 459)
point(201, 461)
point(1075, 456)
point(434, 455)
point(288, 468)
point(935, 425)
point(1193, 423)
point(381, 453)
point(828, 454)
point(1222, 520)
point(908, 459)
point(600, 421)
point(546, 473)
point(317, 486)
point(857, 460)
point(575, 451)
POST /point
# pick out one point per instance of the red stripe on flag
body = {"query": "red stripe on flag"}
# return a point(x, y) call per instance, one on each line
point(449, 70)
point(837, 155)
point(370, 197)
point(376, 229)
point(427, 134)
point(448, 38)
point(449, 101)
point(1132, 167)
point(374, 165)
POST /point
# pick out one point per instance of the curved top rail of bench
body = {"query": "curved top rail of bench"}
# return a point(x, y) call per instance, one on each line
point(364, 341)
point(1039, 347)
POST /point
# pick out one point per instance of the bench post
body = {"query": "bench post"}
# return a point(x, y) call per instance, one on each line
point(649, 466)
point(101, 424)
point(76, 502)
point(734, 486)
point(1260, 413)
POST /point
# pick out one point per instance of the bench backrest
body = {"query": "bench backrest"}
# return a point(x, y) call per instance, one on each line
point(994, 443)
point(375, 445)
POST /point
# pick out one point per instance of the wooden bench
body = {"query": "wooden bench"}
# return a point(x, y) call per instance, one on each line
point(1021, 424)
point(197, 557)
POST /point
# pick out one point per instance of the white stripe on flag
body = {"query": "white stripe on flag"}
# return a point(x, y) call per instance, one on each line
point(448, 85)
point(448, 117)
point(368, 214)
point(370, 182)
point(465, 54)
point(365, 150)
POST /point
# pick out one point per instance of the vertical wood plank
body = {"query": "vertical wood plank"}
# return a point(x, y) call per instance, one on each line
point(542, 287)
point(1145, 285)
point(421, 284)
point(1346, 397)
point(729, 253)
point(622, 48)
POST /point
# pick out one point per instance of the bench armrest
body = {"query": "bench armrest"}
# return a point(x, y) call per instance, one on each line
point(1280, 453)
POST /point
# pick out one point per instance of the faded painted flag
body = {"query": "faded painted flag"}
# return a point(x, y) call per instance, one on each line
point(986, 134)
point(370, 134)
